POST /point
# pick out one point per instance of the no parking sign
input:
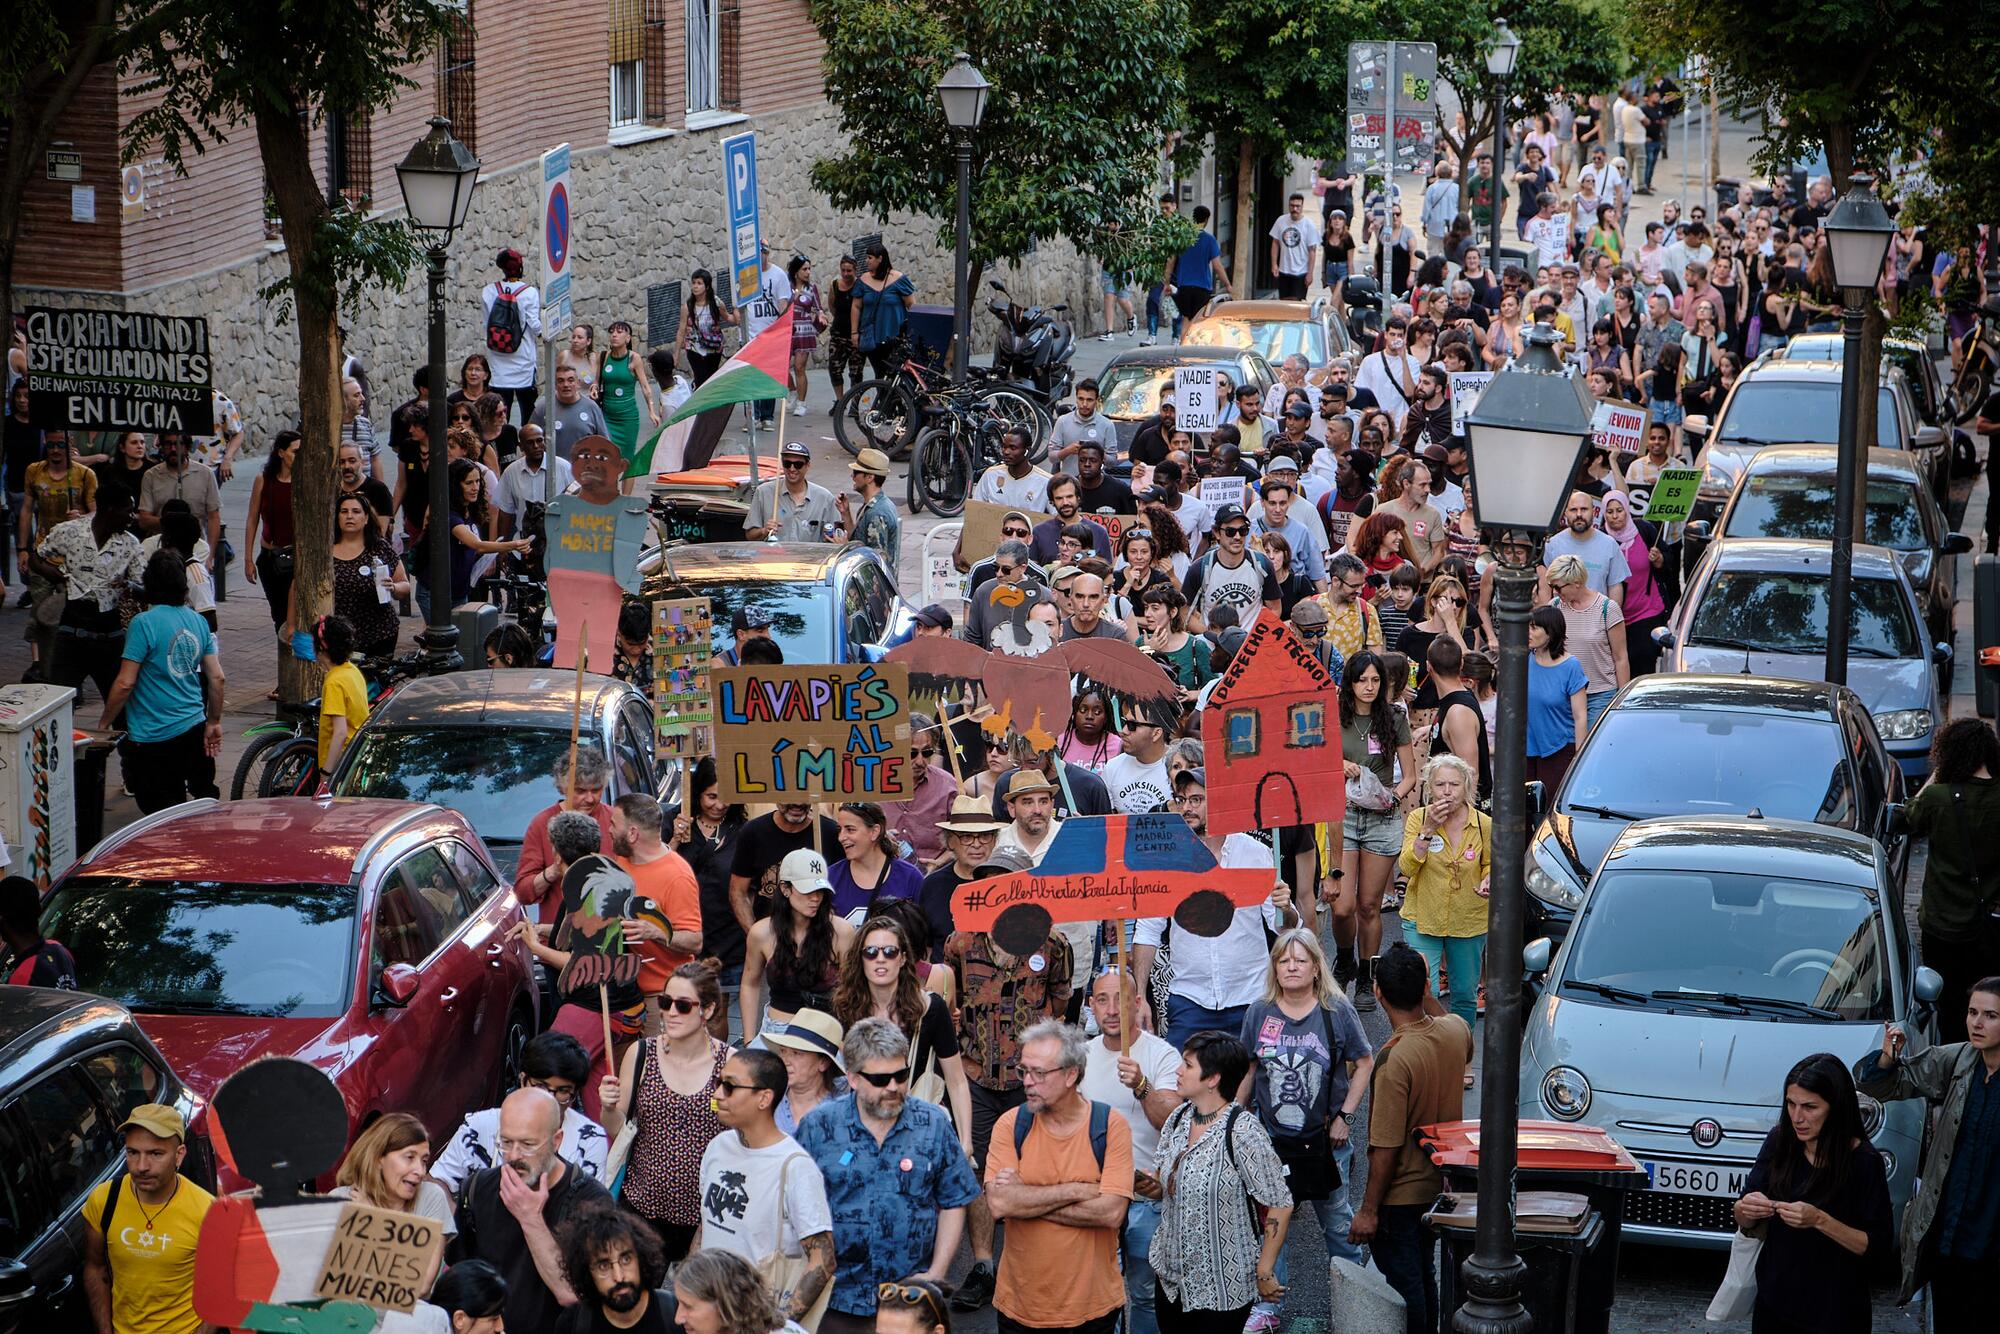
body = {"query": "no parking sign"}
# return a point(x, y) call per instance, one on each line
point(557, 242)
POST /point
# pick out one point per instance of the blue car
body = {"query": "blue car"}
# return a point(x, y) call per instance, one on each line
point(826, 603)
point(1709, 957)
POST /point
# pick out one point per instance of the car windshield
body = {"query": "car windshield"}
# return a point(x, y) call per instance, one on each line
point(208, 947)
point(497, 778)
point(1802, 507)
point(1799, 412)
point(1134, 390)
point(800, 615)
point(1768, 611)
point(1275, 339)
point(1643, 762)
point(1730, 934)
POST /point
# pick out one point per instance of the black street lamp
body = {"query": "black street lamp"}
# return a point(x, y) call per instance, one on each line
point(963, 91)
point(438, 178)
point(1500, 58)
point(1527, 435)
point(1858, 232)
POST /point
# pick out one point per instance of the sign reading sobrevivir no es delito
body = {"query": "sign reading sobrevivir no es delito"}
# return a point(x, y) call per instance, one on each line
point(117, 370)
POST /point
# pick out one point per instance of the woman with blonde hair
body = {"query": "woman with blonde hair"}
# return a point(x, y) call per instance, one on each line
point(1444, 615)
point(1596, 632)
point(389, 1167)
point(1309, 1068)
point(1448, 857)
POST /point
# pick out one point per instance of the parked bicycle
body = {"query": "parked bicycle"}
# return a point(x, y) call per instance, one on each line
point(890, 413)
point(961, 441)
point(282, 759)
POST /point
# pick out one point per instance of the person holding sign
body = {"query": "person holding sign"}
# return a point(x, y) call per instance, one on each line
point(1645, 604)
point(387, 1168)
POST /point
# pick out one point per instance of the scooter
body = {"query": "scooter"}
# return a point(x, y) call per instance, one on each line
point(1979, 357)
point(1033, 352)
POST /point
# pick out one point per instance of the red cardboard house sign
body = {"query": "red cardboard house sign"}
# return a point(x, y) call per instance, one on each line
point(1270, 736)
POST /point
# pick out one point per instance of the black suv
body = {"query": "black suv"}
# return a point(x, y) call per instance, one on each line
point(72, 1067)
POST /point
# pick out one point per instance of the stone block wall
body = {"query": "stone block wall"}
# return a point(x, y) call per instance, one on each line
point(644, 214)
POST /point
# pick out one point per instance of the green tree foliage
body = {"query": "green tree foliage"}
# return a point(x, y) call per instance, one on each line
point(274, 68)
point(1084, 96)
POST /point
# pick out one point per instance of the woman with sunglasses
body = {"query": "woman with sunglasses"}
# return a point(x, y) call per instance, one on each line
point(667, 1085)
point(1213, 1257)
point(879, 981)
point(912, 1306)
point(1445, 603)
point(874, 867)
point(1138, 571)
point(499, 438)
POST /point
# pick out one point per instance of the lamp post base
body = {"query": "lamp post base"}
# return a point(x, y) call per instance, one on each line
point(440, 646)
point(1493, 1301)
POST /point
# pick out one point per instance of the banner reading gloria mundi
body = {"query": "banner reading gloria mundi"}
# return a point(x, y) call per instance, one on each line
point(116, 370)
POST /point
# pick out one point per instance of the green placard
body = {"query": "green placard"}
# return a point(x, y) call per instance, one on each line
point(1673, 495)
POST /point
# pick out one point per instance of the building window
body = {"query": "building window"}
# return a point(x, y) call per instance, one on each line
point(658, 28)
point(455, 80)
point(628, 81)
point(626, 51)
point(1241, 727)
point(702, 55)
point(1308, 724)
point(349, 159)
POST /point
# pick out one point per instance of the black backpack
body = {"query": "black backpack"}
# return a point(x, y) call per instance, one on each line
point(1100, 1125)
point(503, 320)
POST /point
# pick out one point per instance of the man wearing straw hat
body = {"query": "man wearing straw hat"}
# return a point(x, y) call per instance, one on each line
point(969, 832)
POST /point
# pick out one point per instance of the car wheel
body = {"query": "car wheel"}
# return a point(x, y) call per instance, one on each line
point(512, 1047)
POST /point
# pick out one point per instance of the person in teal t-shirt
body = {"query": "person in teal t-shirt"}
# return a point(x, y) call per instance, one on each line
point(170, 691)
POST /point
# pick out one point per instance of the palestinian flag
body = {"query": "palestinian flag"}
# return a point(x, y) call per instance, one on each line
point(756, 372)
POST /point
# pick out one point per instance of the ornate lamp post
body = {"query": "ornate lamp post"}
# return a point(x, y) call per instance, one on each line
point(1500, 57)
point(963, 91)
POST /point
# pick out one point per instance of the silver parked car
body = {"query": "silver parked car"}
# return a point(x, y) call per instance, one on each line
point(1711, 955)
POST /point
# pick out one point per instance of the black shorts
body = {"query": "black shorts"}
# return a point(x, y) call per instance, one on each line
point(1189, 300)
point(987, 1107)
point(1292, 286)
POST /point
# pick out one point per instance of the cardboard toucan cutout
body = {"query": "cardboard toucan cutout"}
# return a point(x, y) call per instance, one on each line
point(1099, 867)
point(1026, 677)
point(600, 896)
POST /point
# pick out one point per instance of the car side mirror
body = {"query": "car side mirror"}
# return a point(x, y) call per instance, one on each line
point(1927, 986)
point(1701, 530)
point(1957, 544)
point(1940, 652)
point(1696, 426)
point(1663, 636)
point(398, 984)
point(1538, 800)
point(1535, 956)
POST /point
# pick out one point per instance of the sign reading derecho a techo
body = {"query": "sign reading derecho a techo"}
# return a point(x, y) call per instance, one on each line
point(820, 734)
point(115, 370)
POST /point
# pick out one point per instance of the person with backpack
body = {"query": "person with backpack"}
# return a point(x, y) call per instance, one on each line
point(27, 957)
point(513, 323)
point(140, 1229)
point(1224, 1208)
point(1059, 1273)
point(1228, 574)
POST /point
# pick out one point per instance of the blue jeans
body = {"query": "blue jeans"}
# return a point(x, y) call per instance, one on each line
point(1154, 295)
point(1185, 1019)
point(1653, 147)
point(1594, 704)
point(1461, 955)
point(1335, 1214)
point(1142, 1220)
point(1406, 1255)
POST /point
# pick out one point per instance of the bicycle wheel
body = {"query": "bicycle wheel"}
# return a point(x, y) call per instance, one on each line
point(941, 471)
point(292, 770)
point(876, 414)
point(249, 769)
point(1011, 408)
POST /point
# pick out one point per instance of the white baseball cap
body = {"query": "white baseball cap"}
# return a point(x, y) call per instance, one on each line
point(805, 870)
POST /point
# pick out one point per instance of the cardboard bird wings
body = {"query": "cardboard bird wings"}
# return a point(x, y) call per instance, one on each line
point(1032, 694)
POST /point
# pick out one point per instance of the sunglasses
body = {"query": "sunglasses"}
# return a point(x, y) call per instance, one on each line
point(1013, 532)
point(908, 1294)
point(795, 463)
point(873, 952)
point(927, 752)
point(1235, 530)
point(727, 1086)
point(1310, 631)
point(883, 1080)
point(679, 1004)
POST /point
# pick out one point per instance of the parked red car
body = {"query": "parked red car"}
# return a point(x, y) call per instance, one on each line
point(371, 938)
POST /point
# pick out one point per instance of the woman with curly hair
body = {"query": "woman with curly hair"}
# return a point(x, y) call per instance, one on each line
point(1170, 543)
point(795, 953)
point(1379, 540)
point(1374, 743)
point(720, 1292)
point(879, 981)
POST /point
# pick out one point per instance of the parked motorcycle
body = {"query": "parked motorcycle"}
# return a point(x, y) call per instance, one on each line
point(1033, 352)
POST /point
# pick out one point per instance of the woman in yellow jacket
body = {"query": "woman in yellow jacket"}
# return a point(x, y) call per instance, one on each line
point(1448, 857)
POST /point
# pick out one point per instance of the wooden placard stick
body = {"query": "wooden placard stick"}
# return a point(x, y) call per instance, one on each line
point(576, 711)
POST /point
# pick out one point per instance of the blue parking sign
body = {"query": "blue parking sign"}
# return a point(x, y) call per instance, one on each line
point(739, 185)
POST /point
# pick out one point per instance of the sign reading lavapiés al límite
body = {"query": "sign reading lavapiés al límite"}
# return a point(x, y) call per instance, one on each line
point(116, 370)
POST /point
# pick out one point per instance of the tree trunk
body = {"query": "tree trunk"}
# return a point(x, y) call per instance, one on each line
point(1243, 268)
point(281, 142)
point(42, 102)
point(1714, 133)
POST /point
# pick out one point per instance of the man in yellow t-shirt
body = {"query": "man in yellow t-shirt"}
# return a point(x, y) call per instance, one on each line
point(138, 1264)
point(343, 696)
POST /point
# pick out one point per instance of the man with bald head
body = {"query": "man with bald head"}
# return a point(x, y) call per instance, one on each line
point(512, 1211)
point(1603, 559)
point(1086, 619)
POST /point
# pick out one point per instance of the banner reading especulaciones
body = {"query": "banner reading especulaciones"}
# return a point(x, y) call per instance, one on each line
point(820, 735)
point(115, 370)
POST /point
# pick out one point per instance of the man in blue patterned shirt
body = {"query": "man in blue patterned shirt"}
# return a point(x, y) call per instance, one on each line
point(896, 1179)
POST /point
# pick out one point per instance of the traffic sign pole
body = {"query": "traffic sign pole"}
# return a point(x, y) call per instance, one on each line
point(554, 220)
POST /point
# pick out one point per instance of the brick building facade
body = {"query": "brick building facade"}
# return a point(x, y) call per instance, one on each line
point(612, 78)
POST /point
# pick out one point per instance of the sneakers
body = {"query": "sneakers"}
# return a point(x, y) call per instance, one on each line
point(1106, 336)
point(1148, 341)
point(1131, 324)
point(1262, 1321)
point(1344, 967)
point(976, 1290)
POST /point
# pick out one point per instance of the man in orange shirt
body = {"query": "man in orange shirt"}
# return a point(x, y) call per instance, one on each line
point(662, 875)
point(1062, 1188)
